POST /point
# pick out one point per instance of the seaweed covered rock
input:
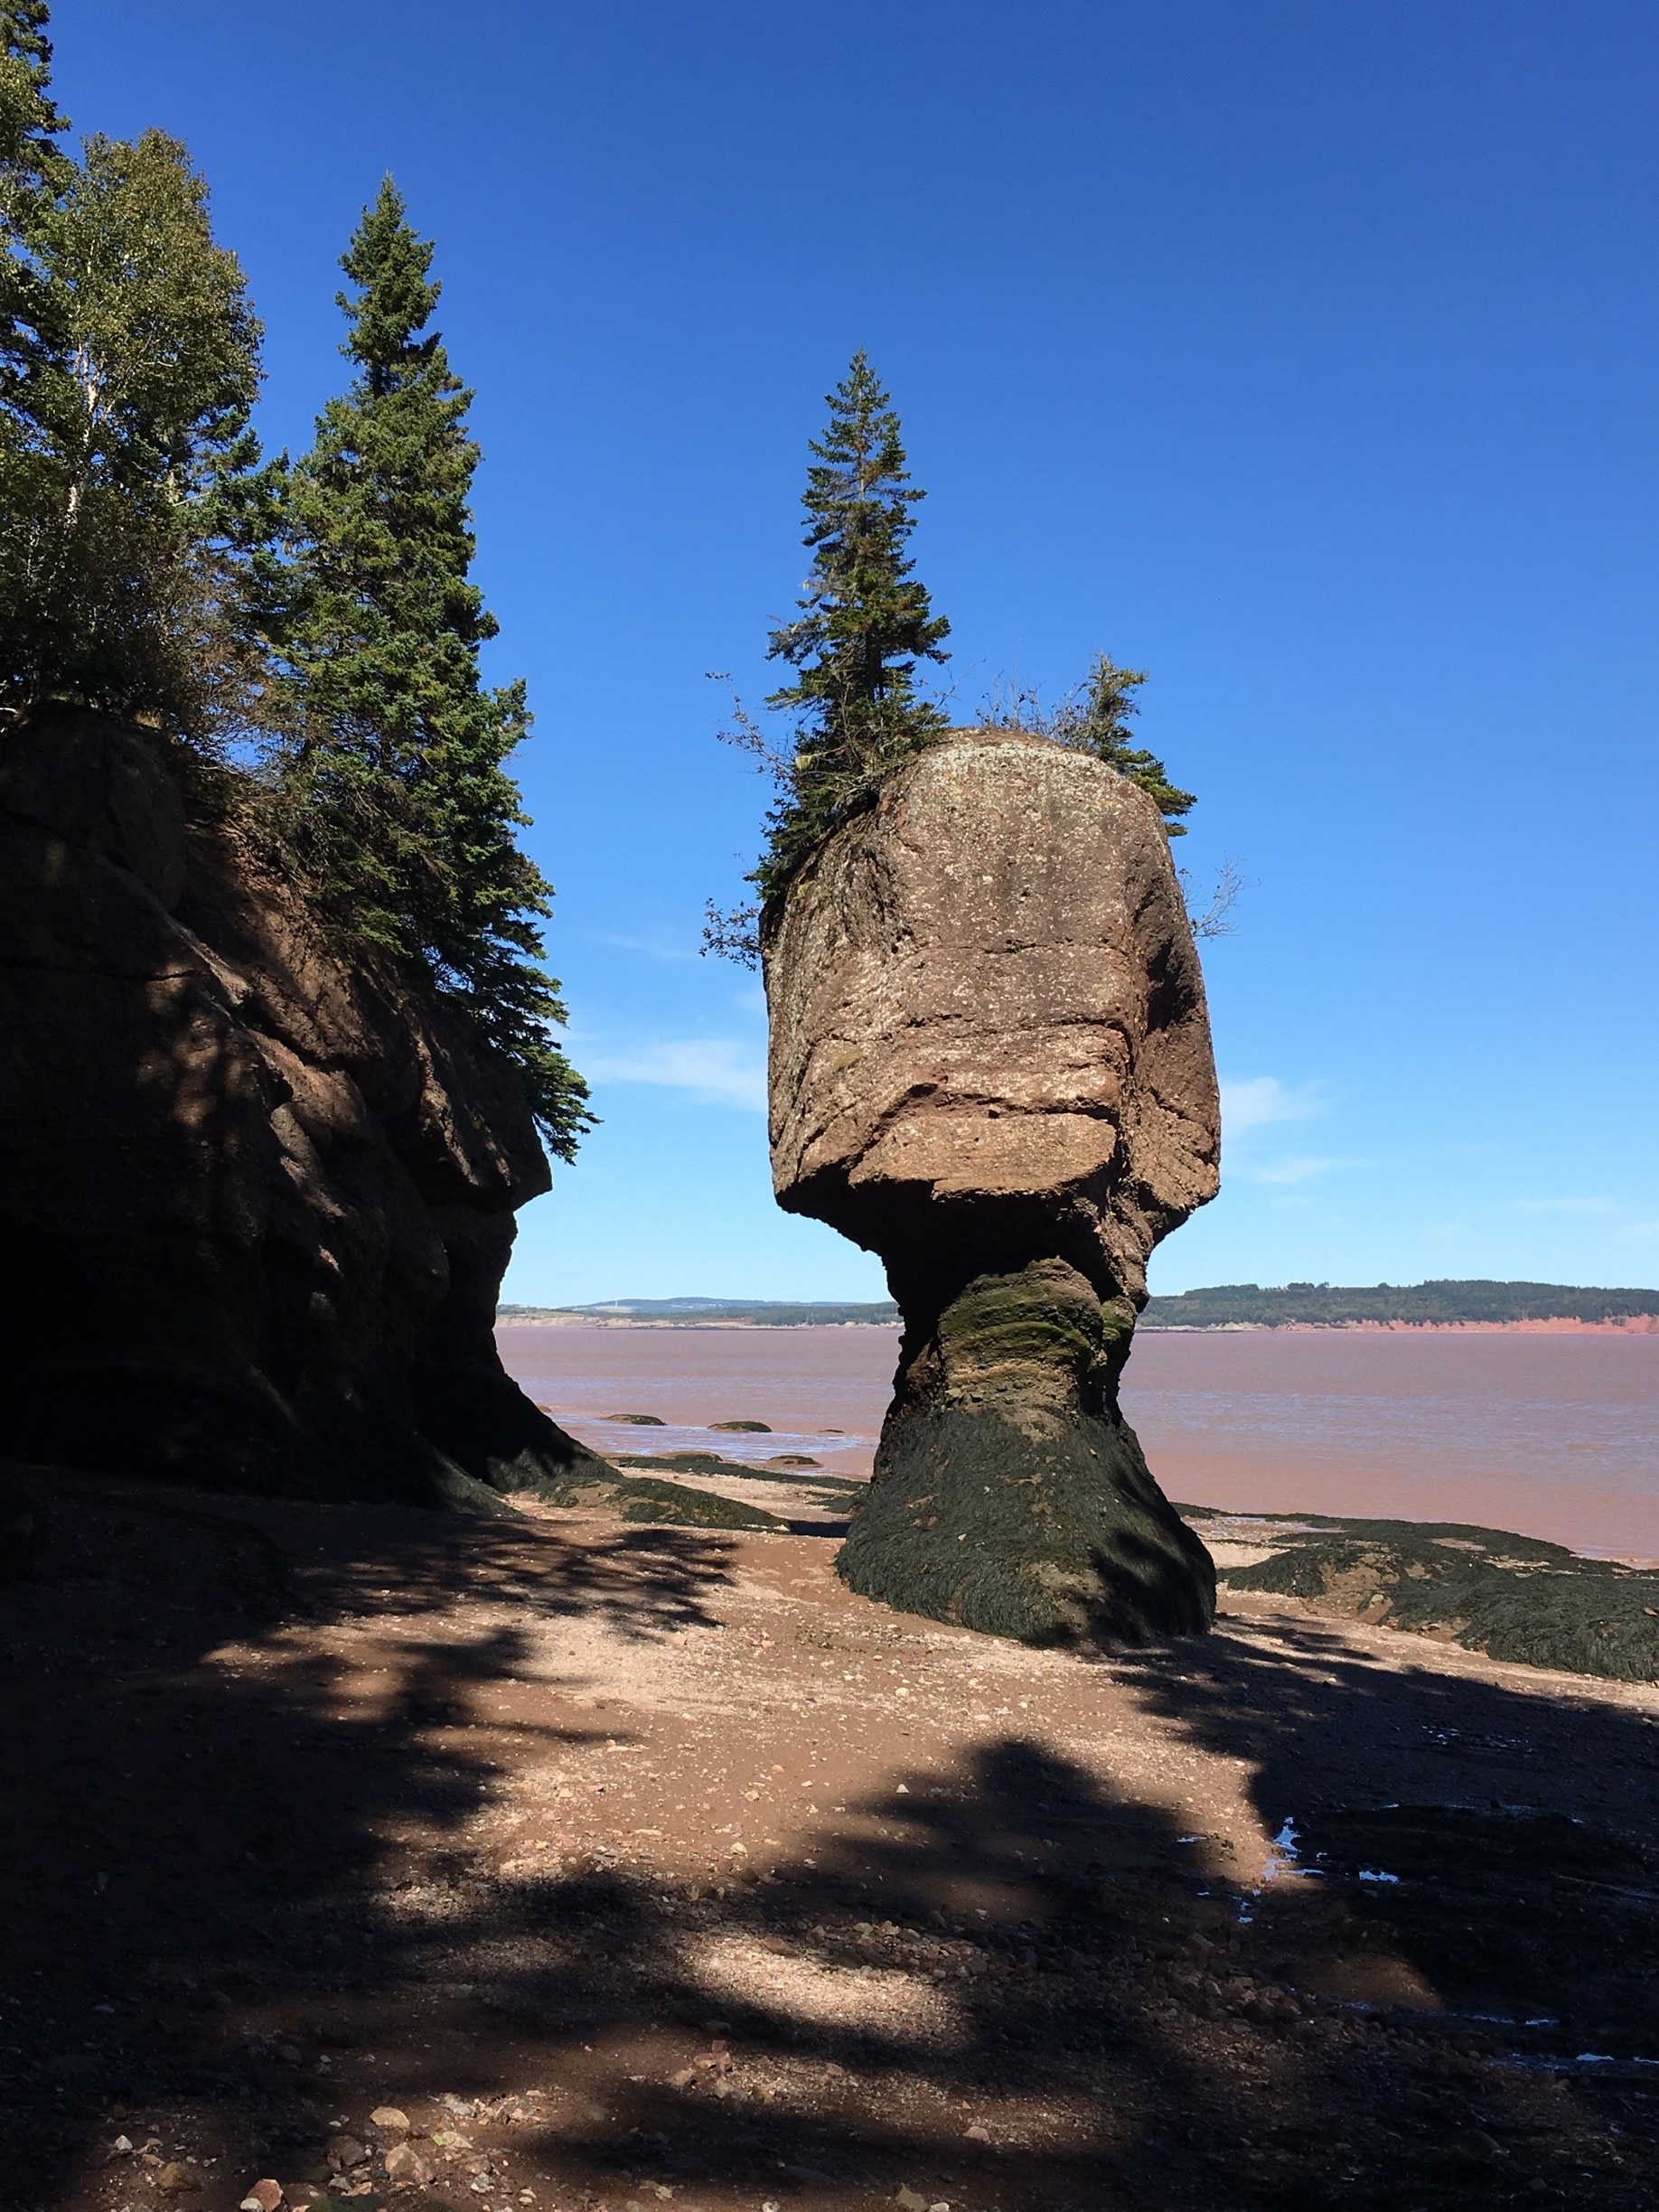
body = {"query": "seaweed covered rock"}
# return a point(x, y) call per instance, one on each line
point(254, 1201)
point(1515, 1598)
point(991, 1063)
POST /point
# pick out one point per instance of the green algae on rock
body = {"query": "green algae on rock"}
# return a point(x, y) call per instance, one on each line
point(648, 1497)
point(1010, 1494)
point(1515, 1598)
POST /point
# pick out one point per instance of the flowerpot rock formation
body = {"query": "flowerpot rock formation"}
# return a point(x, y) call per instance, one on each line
point(255, 1200)
point(990, 1063)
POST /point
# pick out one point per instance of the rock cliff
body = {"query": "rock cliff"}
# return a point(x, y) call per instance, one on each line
point(991, 1063)
point(255, 1202)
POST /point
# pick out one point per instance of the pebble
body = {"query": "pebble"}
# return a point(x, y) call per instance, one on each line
point(264, 2197)
point(405, 2162)
point(174, 2178)
point(387, 2120)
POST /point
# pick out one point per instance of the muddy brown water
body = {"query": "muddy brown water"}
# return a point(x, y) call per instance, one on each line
point(1557, 1436)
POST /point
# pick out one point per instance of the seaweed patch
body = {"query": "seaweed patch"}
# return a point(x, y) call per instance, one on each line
point(1513, 1598)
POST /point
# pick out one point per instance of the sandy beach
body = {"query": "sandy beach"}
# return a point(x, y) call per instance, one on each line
point(640, 1865)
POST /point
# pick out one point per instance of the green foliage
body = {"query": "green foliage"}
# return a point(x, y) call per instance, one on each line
point(393, 753)
point(1229, 1304)
point(1097, 721)
point(864, 623)
point(128, 366)
point(152, 569)
point(1094, 718)
point(31, 162)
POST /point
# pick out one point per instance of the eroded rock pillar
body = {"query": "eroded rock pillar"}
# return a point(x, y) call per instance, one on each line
point(991, 1064)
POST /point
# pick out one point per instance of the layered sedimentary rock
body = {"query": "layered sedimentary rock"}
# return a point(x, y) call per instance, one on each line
point(990, 1063)
point(255, 1202)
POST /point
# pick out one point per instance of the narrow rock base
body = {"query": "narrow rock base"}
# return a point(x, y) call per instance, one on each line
point(1069, 1542)
point(1011, 1496)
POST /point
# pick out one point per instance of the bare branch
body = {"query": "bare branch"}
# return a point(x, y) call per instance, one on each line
point(1213, 921)
point(733, 936)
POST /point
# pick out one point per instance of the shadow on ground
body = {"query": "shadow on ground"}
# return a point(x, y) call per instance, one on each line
point(242, 1906)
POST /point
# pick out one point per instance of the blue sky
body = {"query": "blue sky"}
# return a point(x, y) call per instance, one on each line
point(1302, 354)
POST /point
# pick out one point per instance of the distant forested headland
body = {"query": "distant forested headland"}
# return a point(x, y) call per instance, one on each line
point(1422, 1305)
point(713, 1313)
point(1427, 1304)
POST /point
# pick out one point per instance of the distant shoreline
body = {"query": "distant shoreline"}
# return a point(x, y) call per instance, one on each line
point(1539, 1308)
point(1561, 1324)
point(519, 1318)
point(1564, 1325)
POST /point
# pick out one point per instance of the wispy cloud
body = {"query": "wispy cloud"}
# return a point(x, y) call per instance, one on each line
point(660, 947)
point(718, 1070)
point(1302, 1168)
point(1257, 1101)
point(1565, 1205)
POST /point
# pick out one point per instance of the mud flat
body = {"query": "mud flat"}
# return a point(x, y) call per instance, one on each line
point(1555, 1436)
point(823, 1392)
point(641, 1865)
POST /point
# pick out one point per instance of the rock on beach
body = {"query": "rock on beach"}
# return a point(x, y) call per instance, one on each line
point(990, 1063)
point(256, 1193)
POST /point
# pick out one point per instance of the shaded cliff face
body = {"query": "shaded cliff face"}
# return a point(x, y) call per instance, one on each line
point(255, 1205)
point(990, 1063)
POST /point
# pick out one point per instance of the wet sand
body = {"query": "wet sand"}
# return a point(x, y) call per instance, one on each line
point(801, 1381)
point(1552, 1436)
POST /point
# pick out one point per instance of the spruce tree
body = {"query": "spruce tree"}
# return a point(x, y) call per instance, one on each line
point(864, 622)
point(1096, 721)
point(394, 750)
point(32, 165)
point(129, 367)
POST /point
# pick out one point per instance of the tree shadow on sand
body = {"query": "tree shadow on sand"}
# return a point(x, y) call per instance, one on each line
point(245, 1904)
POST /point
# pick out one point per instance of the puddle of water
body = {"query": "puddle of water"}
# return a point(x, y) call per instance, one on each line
point(1282, 1860)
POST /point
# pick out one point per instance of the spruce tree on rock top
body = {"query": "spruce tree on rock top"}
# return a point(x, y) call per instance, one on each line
point(394, 751)
point(1095, 719)
point(128, 474)
point(864, 623)
point(32, 169)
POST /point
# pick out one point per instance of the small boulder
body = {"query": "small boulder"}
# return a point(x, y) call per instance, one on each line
point(407, 2162)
